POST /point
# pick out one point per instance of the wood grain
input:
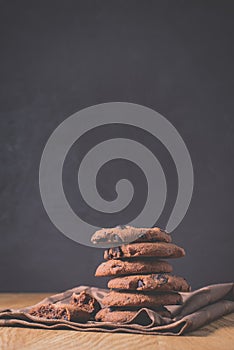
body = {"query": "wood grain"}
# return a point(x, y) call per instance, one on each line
point(216, 336)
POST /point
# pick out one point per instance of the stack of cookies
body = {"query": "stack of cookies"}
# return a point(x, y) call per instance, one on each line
point(142, 278)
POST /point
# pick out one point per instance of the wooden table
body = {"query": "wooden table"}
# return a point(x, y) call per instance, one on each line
point(217, 335)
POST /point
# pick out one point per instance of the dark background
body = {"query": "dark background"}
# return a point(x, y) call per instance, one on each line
point(58, 57)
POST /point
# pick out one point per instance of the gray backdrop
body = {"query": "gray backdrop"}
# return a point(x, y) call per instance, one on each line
point(58, 57)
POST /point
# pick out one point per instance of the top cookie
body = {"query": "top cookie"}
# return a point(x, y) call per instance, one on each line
point(126, 234)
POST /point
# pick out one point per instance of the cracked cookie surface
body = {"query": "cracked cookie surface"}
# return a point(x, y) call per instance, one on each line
point(157, 282)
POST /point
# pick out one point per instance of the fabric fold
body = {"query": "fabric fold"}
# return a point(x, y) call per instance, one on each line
point(199, 308)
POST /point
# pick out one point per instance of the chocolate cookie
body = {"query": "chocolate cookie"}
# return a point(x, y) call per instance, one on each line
point(60, 312)
point(126, 234)
point(125, 299)
point(130, 267)
point(157, 282)
point(161, 250)
point(120, 315)
point(85, 302)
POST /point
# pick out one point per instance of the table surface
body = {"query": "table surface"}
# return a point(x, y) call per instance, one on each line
point(217, 335)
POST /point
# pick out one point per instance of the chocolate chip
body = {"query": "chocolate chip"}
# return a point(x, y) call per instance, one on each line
point(140, 284)
point(161, 278)
point(114, 252)
point(118, 250)
point(117, 239)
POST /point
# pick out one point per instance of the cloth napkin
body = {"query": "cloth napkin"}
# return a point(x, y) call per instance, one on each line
point(199, 307)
